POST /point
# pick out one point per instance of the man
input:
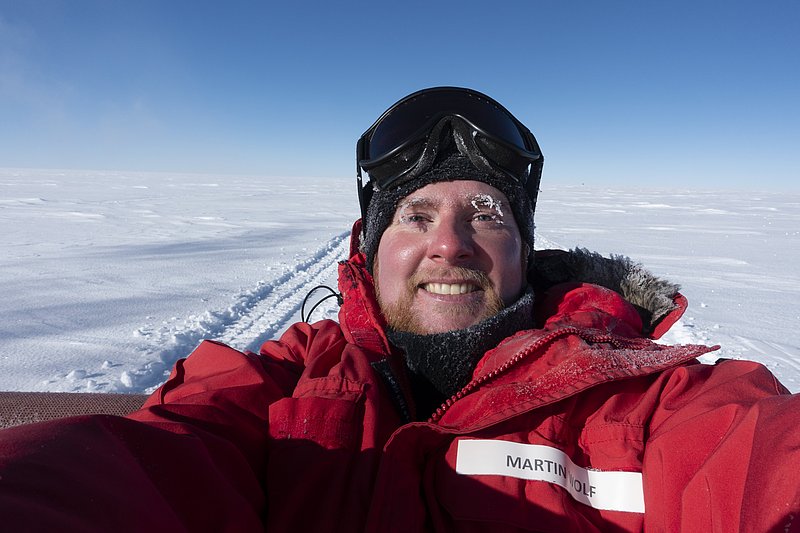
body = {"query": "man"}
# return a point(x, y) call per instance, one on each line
point(471, 384)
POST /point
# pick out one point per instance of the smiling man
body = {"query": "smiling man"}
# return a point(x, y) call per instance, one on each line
point(452, 255)
point(470, 384)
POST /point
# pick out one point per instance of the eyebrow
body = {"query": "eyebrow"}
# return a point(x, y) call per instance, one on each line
point(432, 202)
point(419, 201)
point(487, 201)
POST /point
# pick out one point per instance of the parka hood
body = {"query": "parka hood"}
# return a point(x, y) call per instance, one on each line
point(658, 302)
point(654, 298)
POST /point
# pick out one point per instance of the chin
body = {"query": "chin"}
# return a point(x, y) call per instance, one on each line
point(432, 325)
point(437, 318)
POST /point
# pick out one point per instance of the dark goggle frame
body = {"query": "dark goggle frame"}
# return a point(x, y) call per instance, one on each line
point(411, 120)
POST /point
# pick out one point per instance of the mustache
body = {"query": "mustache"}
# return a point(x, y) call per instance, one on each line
point(455, 273)
point(401, 316)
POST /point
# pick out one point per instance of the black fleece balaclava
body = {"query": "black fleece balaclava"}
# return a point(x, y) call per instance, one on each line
point(440, 364)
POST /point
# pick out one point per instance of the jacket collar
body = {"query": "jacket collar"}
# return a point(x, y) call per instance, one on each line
point(550, 365)
point(629, 303)
point(360, 318)
point(657, 302)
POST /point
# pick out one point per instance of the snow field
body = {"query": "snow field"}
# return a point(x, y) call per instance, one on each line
point(108, 278)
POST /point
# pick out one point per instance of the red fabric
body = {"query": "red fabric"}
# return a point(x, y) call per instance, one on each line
point(589, 306)
point(305, 436)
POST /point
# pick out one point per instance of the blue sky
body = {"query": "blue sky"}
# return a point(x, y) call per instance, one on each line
point(689, 93)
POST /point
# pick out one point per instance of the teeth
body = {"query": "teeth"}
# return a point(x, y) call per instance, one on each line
point(448, 288)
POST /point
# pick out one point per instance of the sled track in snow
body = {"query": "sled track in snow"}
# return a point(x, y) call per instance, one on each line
point(255, 316)
point(278, 302)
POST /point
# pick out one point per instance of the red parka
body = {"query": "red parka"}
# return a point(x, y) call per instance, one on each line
point(581, 424)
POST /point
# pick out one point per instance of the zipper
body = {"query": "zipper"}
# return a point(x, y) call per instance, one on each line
point(588, 336)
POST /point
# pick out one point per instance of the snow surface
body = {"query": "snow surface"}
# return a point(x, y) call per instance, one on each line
point(109, 277)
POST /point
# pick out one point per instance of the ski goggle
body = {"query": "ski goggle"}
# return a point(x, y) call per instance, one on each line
point(391, 150)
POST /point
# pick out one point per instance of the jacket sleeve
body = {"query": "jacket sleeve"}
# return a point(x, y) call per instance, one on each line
point(723, 452)
point(193, 458)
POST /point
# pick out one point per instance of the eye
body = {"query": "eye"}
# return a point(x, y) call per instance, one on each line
point(414, 218)
point(488, 210)
point(487, 218)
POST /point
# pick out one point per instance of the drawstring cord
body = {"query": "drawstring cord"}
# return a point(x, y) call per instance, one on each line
point(305, 317)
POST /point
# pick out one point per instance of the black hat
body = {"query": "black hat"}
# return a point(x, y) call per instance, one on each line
point(445, 134)
point(452, 165)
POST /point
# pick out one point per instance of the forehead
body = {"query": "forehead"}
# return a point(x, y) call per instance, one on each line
point(461, 193)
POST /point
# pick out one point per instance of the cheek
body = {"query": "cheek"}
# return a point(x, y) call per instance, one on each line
point(508, 272)
point(397, 259)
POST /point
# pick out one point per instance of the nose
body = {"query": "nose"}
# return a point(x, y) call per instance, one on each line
point(450, 243)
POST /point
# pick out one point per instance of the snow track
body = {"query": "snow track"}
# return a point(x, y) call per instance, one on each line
point(265, 311)
point(109, 277)
point(256, 316)
point(273, 306)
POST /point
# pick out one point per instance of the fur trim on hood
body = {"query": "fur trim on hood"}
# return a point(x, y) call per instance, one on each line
point(654, 298)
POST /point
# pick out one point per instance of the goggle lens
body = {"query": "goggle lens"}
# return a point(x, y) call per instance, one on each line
point(391, 149)
point(414, 115)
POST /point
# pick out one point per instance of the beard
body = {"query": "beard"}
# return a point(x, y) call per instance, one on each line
point(401, 316)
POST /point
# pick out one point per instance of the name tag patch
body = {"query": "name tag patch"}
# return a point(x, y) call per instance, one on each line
point(607, 490)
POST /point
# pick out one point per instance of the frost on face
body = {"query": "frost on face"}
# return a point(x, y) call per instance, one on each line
point(412, 203)
point(482, 203)
point(487, 201)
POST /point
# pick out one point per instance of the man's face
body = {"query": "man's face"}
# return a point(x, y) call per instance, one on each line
point(451, 257)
